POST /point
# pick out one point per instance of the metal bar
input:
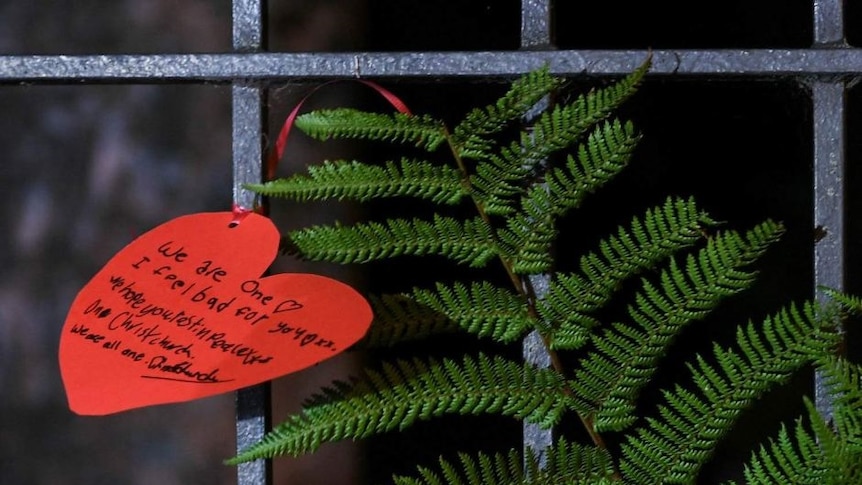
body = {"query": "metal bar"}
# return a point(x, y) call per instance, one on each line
point(829, 22)
point(534, 352)
point(536, 33)
point(536, 24)
point(828, 101)
point(248, 26)
point(829, 141)
point(281, 67)
point(253, 404)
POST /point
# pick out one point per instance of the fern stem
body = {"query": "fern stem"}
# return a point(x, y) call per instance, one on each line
point(525, 289)
point(557, 365)
point(468, 187)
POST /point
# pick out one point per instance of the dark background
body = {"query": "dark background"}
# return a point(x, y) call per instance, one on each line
point(84, 169)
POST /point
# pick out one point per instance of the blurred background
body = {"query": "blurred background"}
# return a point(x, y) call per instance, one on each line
point(86, 168)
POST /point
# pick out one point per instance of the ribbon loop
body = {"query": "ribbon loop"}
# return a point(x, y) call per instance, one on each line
point(281, 142)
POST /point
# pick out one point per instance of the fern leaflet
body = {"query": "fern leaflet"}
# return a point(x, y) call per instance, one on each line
point(467, 242)
point(471, 136)
point(421, 131)
point(572, 298)
point(626, 356)
point(843, 381)
point(796, 460)
point(530, 232)
point(499, 181)
point(606, 152)
point(526, 240)
point(827, 455)
point(567, 463)
point(404, 392)
point(357, 181)
point(850, 303)
point(673, 447)
point(482, 309)
point(399, 318)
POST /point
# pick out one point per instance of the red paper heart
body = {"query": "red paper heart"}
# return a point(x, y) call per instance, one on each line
point(181, 313)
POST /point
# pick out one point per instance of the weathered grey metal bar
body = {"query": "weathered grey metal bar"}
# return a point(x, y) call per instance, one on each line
point(226, 68)
point(248, 105)
point(829, 22)
point(536, 24)
point(829, 141)
point(828, 102)
point(536, 33)
point(247, 25)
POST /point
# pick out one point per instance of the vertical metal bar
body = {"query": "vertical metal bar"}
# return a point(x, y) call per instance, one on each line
point(828, 101)
point(829, 22)
point(829, 141)
point(248, 105)
point(536, 438)
point(536, 24)
point(829, 138)
point(536, 33)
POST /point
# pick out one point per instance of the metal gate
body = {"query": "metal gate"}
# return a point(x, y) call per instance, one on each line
point(828, 68)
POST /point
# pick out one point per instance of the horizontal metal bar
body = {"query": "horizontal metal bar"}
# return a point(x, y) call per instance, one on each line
point(223, 68)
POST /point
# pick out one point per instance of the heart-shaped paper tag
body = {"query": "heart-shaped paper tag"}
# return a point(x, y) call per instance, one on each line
point(182, 313)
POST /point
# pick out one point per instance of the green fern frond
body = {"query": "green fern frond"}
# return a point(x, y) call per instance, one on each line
point(466, 242)
point(521, 186)
point(840, 440)
point(421, 131)
point(471, 136)
point(482, 309)
point(606, 152)
point(358, 181)
point(526, 240)
point(673, 447)
point(821, 456)
point(843, 383)
point(573, 464)
point(659, 233)
point(567, 464)
point(851, 303)
point(559, 127)
point(498, 181)
point(405, 392)
point(399, 318)
point(531, 231)
point(627, 356)
point(797, 459)
point(841, 453)
point(484, 469)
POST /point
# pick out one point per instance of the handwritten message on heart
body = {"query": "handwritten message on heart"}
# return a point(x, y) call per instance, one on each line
point(182, 313)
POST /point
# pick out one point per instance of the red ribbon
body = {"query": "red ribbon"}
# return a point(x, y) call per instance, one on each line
point(281, 141)
point(239, 212)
